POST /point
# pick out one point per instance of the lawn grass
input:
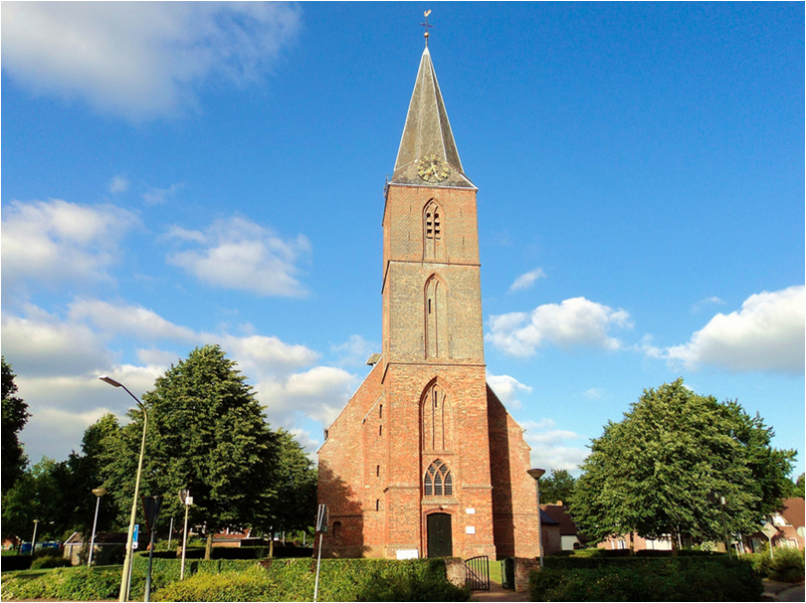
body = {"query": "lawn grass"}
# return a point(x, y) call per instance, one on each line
point(495, 571)
point(41, 572)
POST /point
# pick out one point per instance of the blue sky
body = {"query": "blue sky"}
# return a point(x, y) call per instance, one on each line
point(181, 174)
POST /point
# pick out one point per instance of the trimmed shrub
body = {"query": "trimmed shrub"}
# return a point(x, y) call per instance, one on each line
point(49, 562)
point(650, 579)
point(252, 584)
point(72, 584)
point(787, 565)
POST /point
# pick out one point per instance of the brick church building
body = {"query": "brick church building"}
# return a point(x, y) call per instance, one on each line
point(424, 460)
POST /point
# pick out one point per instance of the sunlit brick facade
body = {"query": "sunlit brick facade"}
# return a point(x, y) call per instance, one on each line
point(424, 460)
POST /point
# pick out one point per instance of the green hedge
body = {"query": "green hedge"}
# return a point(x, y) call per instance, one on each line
point(649, 579)
point(787, 565)
point(340, 580)
point(244, 580)
point(71, 584)
point(247, 552)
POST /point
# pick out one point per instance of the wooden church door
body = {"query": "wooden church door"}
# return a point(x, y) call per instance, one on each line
point(440, 539)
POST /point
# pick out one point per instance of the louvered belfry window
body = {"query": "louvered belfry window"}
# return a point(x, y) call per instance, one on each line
point(438, 480)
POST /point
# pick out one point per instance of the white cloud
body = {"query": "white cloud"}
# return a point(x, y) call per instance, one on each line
point(767, 334)
point(319, 393)
point(243, 255)
point(553, 448)
point(59, 242)
point(355, 351)
point(118, 184)
point(593, 393)
point(507, 388)
point(134, 321)
point(45, 346)
point(141, 60)
point(260, 354)
point(704, 303)
point(158, 196)
point(524, 281)
point(574, 322)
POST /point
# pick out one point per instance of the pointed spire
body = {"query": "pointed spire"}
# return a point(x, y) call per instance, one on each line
point(428, 154)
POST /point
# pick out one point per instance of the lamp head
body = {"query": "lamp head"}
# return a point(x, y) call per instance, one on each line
point(536, 473)
point(99, 492)
point(110, 381)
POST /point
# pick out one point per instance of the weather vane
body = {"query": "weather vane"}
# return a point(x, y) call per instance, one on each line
point(426, 25)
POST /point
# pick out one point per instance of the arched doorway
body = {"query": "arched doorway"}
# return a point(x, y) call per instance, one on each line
point(440, 538)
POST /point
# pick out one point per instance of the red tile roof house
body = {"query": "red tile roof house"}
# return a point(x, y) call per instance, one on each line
point(789, 522)
point(569, 534)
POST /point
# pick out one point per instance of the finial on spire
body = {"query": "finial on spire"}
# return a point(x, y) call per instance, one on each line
point(426, 25)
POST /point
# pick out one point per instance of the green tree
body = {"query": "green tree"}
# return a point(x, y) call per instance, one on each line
point(657, 471)
point(15, 416)
point(206, 433)
point(557, 486)
point(39, 494)
point(294, 503)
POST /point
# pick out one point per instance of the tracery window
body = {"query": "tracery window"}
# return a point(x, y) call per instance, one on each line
point(438, 480)
point(437, 420)
point(432, 231)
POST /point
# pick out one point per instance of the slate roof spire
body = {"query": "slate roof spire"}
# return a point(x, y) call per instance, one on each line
point(427, 135)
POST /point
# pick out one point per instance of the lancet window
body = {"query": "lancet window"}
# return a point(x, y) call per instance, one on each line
point(433, 239)
point(437, 420)
point(438, 480)
point(436, 318)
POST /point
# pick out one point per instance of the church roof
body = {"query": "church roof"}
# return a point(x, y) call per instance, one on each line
point(427, 136)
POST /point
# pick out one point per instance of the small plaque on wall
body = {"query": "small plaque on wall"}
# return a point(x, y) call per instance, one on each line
point(470, 529)
point(470, 511)
point(407, 553)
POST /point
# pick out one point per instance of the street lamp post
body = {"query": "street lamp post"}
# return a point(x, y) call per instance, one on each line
point(98, 492)
point(537, 474)
point(33, 540)
point(127, 562)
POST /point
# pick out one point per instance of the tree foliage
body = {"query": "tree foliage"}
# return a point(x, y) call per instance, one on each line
point(658, 471)
point(206, 433)
point(559, 486)
point(15, 416)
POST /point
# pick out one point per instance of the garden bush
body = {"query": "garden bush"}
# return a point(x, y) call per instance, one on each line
point(649, 579)
point(246, 580)
point(49, 561)
point(252, 584)
point(787, 565)
point(76, 584)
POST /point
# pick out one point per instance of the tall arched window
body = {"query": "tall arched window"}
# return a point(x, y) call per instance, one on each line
point(438, 480)
point(437, 420)
point(433, 235)
point(436, 319)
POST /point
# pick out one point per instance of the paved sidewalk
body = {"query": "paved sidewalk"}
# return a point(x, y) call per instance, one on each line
point(783, 591)
point(499, 593)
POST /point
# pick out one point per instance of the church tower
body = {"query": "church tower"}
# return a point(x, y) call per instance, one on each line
point(424, 460)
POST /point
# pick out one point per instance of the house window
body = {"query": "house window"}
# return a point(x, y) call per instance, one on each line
point(438, 480)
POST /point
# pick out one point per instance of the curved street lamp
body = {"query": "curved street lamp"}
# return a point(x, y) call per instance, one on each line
point(537, 474)
point(127, 562)
point(98, 492)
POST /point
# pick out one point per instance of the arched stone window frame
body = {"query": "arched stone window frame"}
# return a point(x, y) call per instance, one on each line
point(436, 418)
point(435, 311)
point(438, 479)
point(433, 231)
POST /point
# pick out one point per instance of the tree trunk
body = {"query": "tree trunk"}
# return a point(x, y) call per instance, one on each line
point(208, 549)
point(632, 544)
point(271, 543)
point(675, 548)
